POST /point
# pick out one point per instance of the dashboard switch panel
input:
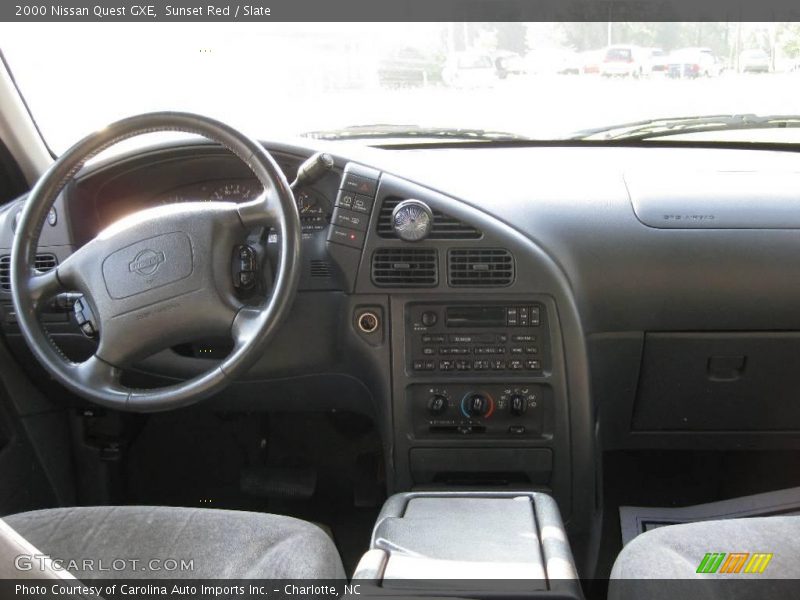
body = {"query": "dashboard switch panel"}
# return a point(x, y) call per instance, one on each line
point(353, 206)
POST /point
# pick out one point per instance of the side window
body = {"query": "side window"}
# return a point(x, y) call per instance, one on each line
point(12, 181)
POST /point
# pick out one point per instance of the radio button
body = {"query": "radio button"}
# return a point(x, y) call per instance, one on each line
point(461, 339)
point(498, 365)
point(452, 350)
point(423, 365)
point(480, 365)
point(515, 365)
point(446, 365)
point(432, 339)
point(533, 365)
point(512, 317)
point(516, 350)
point(531, 350)
point(429, 351)
point(463, 365)
point(523, 338)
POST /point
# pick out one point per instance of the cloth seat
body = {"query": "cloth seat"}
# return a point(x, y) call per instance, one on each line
point(664, 562)
point(219, 543)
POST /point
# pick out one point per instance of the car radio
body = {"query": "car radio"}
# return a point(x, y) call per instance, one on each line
point(453, 339)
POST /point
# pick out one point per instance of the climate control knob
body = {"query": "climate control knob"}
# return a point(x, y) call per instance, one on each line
point(518, 405)
point(477, 405)
point(437, 405)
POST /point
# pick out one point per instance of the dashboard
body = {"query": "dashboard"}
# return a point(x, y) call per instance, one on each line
point(588, 301)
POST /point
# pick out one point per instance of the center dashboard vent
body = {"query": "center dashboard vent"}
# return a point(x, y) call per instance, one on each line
point(405, 267)
point(480, 267)
point(445, 227)
point(44, 262)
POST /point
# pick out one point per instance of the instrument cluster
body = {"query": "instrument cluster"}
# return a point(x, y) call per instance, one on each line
point(314, 208)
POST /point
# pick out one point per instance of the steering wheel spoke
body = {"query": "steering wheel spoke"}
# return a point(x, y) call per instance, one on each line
point(263, 211)
point(96, 374)
point(245, 325)
point(44, 286)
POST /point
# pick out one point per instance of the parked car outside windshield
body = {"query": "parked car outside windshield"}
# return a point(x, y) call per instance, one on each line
point(533, 80)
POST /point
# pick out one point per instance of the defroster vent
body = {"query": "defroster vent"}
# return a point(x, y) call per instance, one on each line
point(480, 267)
point(405, 267)
point(44, 262)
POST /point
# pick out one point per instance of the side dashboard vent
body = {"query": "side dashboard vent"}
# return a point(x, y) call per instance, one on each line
point(44, 262)
point(405, 267)
point(445, 227)
point(320, 268)
point(480, 267)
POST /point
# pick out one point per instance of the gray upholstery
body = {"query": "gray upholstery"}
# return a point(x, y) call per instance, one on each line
point(674, 553)
point(221, 543)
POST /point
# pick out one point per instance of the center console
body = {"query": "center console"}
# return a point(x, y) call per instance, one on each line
point(480, 395)
point(471, 544)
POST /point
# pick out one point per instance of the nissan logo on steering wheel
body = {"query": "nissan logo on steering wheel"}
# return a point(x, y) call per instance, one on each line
point(146, 262)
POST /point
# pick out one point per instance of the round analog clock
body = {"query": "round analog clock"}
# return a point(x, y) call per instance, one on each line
point(412, 220)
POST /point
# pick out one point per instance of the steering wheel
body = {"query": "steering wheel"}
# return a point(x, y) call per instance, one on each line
point(158, 277)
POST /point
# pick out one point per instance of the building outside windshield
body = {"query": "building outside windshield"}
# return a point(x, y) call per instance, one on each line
point(398, 81)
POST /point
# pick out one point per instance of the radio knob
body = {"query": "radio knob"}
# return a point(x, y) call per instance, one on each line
point(429, 318)
point(476, 405)
point(518, 405)
point(437, 405)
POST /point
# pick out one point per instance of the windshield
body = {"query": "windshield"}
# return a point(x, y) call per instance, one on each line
point(532, 80)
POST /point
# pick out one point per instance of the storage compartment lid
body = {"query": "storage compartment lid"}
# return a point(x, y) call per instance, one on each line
point(449, 538)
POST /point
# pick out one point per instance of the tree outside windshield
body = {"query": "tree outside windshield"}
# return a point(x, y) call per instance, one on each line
point(274, 80)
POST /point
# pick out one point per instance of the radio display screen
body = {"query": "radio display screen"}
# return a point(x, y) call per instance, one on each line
point(475, 316)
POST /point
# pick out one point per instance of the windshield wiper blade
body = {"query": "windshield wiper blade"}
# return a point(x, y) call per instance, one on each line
point(405, 132)
point(654, 128)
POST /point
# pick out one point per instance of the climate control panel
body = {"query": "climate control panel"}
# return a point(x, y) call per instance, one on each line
point(487, 410)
